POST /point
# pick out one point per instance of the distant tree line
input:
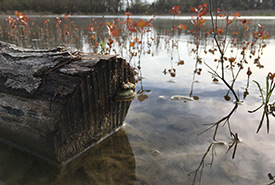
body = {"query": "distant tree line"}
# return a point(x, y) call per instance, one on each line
point(160, 6)
point(120, 6)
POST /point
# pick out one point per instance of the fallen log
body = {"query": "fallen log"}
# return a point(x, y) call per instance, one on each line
point(57, 104)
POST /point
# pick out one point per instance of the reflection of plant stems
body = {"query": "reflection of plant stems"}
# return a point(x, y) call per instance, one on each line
point(141, 48)
point(225, 120)
point(271, 177)
point(195, 71)
point(202, 164)
point(246, 88)
point(235, 141)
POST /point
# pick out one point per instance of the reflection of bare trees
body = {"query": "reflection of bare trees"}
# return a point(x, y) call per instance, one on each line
point(232, 145)
point(141, 93)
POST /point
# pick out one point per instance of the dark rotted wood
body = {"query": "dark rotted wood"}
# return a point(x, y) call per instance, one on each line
point(57, 104)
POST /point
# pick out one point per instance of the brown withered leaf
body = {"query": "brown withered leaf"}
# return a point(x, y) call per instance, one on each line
point(232, 59)
point(227, 97)
point(181, 62)
point(215, 80)
point(172, 74)
point(196, 97)
point(199, 60)
point(249, 72)
point(142, 97)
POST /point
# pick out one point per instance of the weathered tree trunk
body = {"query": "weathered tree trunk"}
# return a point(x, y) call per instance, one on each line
point(57, 104)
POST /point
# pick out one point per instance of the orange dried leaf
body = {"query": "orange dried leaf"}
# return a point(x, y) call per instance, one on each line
point(175, 10)
point(202, 13)
point(176, 7)
point(141, 23)
point(132, 44)
point(108, 23)
point(193, 9)
point(264, 36)
point(111, 41)
point(235, 33)
point(220, 30)
point(183, 26)
point(115, 33)
point(202, 20)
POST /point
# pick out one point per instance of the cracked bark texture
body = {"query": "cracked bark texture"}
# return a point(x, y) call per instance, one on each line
point(57, 104)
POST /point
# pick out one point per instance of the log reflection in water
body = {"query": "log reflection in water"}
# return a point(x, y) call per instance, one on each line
point(110, 162)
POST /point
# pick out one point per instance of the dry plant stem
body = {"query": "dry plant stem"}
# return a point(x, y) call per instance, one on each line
point(221, 52)
point(201, 165)
point(215, 36)
point(194, 73)
point(234, 78)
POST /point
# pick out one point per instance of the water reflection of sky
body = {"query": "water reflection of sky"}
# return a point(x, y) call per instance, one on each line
point(162, 134)
point(171, 127)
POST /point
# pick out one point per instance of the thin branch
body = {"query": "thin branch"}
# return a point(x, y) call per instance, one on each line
point(225, 82)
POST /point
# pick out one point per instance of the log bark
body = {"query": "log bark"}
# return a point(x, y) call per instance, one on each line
point(57, 104)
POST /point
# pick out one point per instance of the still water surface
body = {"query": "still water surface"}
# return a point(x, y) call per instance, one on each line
point(159, 144)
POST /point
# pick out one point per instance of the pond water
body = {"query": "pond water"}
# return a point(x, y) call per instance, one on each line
point(160, 142)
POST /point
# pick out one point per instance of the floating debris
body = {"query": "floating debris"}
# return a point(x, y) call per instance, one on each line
point(180, 97)
point(240, 102)
point(163, 97)
point(155, 153)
